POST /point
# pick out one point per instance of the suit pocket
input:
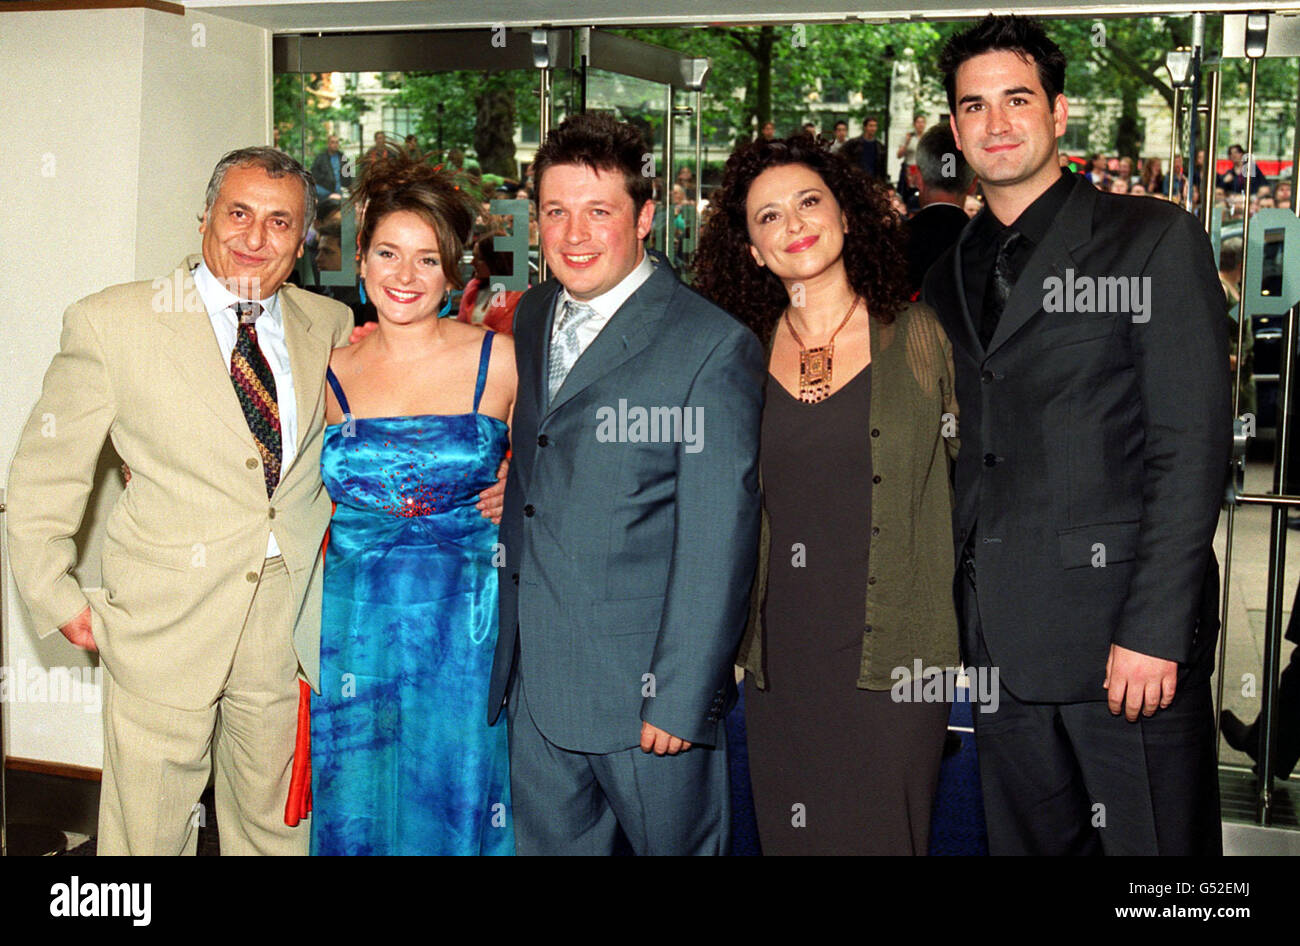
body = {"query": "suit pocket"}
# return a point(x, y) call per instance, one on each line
point(1098, 545)
point(627, 617)
point(95, 597)
point(145, 589)
point(1075, 329)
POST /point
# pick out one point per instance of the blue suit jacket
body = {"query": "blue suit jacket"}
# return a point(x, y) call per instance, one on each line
point(631, 520)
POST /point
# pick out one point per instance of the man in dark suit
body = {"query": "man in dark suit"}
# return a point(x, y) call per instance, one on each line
point(630, 526)
point(946, 179)
point(330, 171)
point(1089, 344)
point(867, 151)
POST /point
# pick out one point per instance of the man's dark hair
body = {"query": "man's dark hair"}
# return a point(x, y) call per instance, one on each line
point(603, 144)
point(942, 165)
point(841, 122)
point(1016, 34)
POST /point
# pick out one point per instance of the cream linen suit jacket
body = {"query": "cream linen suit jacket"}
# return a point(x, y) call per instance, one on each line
point(184, 545)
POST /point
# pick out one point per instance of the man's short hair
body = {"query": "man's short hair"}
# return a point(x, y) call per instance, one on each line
point(942, 165)
point(276, 164)
point(602, 143)
point(841, 122)
point(1017, 34)
point(869, 119)
point(1230, 255)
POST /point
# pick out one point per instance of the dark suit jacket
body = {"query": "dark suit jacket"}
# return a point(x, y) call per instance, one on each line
point(930, 232)
point(1090, 438)
point(627, 557)
point(322, 173)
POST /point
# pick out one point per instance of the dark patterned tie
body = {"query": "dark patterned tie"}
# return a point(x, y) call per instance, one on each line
point(999, 288)
point(255, 387)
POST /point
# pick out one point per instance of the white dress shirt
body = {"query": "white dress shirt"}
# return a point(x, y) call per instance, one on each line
point(605, 304)
point(220, 302)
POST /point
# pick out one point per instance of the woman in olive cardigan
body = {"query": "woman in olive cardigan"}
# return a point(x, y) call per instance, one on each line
point(854, 581)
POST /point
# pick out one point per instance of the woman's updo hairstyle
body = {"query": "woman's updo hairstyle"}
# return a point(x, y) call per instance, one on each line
point(397, 182)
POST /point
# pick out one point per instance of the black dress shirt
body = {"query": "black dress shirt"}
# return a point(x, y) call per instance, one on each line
point(980, 247)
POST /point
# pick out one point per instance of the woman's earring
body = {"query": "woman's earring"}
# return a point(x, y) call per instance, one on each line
point(362, 286)
point(446, 307)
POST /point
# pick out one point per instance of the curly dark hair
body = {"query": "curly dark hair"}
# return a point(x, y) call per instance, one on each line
point(402, 182)
point(726, 273)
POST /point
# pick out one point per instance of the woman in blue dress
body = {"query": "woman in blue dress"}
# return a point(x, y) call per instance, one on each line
point(417, 415)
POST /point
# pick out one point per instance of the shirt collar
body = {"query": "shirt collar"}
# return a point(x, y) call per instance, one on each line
point(1037, 218)
point(217, 298)
point(607, 303)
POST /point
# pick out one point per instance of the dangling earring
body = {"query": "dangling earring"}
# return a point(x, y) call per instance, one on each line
point(446, 308)
point(361, 283)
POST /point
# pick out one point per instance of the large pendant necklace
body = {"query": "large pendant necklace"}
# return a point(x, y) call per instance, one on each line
point(815, 363)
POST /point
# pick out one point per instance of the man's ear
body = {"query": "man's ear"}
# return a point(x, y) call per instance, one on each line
point(1060, 114)
point(645, 220)
point(956, 135)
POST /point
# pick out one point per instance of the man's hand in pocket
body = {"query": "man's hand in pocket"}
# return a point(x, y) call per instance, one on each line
point(78, 631)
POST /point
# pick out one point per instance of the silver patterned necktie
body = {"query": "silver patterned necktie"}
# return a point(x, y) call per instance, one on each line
point(564, 344)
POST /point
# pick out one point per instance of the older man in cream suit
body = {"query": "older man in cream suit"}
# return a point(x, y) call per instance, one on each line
point(210, 384)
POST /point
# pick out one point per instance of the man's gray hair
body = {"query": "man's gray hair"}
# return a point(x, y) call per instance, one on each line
point(942, 166)
point(276, 164)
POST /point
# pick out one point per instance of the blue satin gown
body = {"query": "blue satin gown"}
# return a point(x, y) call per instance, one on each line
point(403, 761)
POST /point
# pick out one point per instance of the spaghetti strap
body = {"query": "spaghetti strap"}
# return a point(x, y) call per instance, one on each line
point(338, 391)
point(484, 356)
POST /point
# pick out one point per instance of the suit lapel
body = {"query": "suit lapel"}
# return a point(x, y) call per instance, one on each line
point(308, 355)
point(627, 332)
point(535, 337)
point(193, 350)
point(1053, 256)
point(966, 335)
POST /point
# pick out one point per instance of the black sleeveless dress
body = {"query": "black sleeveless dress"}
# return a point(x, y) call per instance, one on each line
point(834, 769)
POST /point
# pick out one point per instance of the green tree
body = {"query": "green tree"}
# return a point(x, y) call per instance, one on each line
point(304, 115)
point(473, 111)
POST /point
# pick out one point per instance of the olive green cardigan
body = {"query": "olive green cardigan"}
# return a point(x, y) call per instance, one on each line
point(909, 586)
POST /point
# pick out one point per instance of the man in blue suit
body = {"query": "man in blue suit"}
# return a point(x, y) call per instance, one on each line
point(630, 526)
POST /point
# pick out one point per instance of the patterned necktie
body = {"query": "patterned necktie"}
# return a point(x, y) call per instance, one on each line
point(999, 288)
point(255, 387)
point(564, 344)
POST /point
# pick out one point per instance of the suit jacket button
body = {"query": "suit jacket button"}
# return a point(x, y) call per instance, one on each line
point(543, 440)
point(251, 463)
point(515, 578)
point(990, 460)
point(529, 510)
point(875, 432)
point(252, 578)
point(986, 376)
point(876, 478)
point(270, 513)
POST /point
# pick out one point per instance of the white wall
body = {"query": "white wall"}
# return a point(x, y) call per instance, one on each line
point(112, 121)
